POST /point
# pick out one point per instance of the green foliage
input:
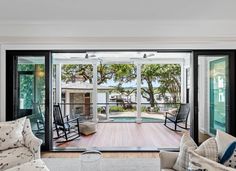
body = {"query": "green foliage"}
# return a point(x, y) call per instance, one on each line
point(26, 91)
point(100, 109)
point(32, 86)
point(166, 75)
point(170, 81)
point(26, 67)
point(148, 109)
point(71, 71)
point(143, 109)
point(117, 109)
point(124, 73)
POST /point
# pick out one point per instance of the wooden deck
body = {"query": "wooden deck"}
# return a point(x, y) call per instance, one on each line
point(127, 136)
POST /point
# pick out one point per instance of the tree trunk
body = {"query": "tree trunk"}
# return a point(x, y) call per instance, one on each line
point(152, 99)
point(151, 93)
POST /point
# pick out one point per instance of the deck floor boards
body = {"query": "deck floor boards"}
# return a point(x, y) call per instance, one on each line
point(127, 135)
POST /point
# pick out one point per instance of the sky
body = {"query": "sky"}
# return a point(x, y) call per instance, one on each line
point(130, 84)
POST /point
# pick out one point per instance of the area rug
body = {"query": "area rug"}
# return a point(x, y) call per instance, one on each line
point(107, 164)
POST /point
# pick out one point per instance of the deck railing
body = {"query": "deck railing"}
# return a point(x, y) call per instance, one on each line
point(85, 110)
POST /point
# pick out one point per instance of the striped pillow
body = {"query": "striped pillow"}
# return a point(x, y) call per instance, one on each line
point(208, 149)
point(229, 156)
point(182, 161)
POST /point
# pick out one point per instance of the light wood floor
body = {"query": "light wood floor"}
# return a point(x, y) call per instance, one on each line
point(127, 135)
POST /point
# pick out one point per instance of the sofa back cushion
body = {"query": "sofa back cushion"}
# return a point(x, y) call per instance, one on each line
point(11, 134)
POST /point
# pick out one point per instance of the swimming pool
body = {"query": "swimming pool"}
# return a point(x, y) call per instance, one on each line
point(133, 119)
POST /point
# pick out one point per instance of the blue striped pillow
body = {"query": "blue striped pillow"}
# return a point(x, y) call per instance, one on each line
point(229, 156)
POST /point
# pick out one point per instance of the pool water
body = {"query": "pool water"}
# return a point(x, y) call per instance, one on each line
point(133, 119)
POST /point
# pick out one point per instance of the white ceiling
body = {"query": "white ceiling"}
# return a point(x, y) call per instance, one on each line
point(34, 10)
point(121, 24)
point(118, 57)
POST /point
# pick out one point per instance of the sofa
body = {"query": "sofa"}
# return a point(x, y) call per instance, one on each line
point(34, 165)
point(18, 144)
point(168, 159)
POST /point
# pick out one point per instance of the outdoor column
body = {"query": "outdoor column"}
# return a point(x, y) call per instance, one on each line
point(94, 96)
point(58, 83)
point(138, 119)
point(107, 105)
point(67, 96)
point(183, 82)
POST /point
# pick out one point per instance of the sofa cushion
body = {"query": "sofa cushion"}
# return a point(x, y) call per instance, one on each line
point(199, 162)
point(223, 141)
point(15, 156)
point(34, 165)
point(11, 134)
point(229, 156)
point(208, 149)
point(182, 161)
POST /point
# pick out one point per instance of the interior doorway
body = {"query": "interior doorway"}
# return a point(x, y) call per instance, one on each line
point(31, 91)
point(118, 89)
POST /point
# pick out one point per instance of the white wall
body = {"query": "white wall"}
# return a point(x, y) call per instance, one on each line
point(159, 34)
point(199, 29)
point(203, 95)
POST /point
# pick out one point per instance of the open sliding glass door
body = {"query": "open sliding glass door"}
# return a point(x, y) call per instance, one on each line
point(213, 87)
point(29, 85)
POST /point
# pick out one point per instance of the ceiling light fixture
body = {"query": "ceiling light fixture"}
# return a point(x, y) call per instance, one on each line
point(87, 56)
point(146, 56)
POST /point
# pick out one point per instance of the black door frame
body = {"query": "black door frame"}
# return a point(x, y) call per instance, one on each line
point(12, 88)
point(231, 119)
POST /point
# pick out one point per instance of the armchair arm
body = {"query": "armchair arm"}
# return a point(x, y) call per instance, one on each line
point(31, 141)
point(167, 159)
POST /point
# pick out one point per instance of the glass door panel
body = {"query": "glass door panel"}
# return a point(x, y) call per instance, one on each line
point(213, 83)
point(31, 92)
point(218, 94)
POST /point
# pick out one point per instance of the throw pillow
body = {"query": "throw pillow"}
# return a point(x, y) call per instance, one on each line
point(202, 163)
point(223, 141)
point(229, 156)
point(208, 149)
point(182, 161)
point(173, 111)
point(11, 134)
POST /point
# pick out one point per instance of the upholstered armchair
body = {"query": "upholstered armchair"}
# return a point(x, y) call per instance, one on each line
point(31, 141)
point(18, 144)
